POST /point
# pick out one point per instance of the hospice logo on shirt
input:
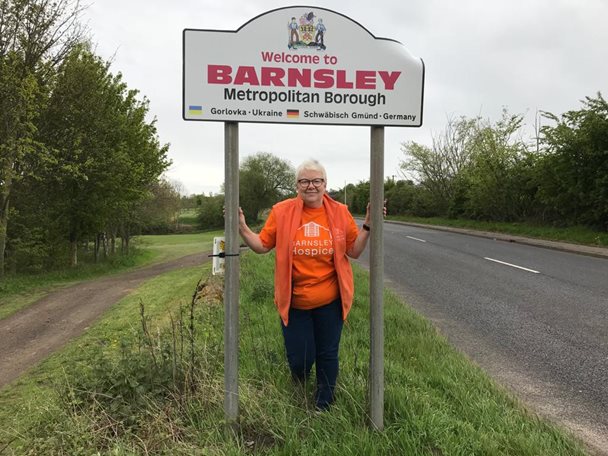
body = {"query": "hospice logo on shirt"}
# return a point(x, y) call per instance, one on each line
point(312, 229)
point(315, 240)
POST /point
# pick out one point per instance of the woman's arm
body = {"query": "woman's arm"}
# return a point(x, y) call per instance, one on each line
point(359, 245)
point(251, 239)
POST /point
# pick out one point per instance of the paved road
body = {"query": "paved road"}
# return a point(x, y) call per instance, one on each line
point(535, 319)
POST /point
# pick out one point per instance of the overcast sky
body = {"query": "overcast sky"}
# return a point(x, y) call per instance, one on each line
point(479, 56)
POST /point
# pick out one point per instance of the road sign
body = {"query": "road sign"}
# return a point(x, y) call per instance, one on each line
point(301, 65)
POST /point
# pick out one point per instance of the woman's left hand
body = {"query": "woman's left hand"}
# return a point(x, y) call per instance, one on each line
point(367, 215)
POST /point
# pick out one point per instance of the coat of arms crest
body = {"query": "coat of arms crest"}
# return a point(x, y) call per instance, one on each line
point(306, 32)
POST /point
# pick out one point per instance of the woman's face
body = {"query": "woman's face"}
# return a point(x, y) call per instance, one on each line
point(311, 187)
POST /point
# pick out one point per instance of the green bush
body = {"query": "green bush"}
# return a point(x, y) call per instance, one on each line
point(211, 212)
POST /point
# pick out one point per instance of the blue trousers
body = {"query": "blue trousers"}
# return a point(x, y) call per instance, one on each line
point(313, 336)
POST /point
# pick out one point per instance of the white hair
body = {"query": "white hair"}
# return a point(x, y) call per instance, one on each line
point(311, 165)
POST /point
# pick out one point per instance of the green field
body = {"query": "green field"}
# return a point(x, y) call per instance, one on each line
point(170, 246)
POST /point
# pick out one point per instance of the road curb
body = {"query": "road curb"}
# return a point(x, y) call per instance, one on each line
point(599, 252)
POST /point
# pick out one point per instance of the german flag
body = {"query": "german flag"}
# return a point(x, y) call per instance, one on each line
point(293, 113)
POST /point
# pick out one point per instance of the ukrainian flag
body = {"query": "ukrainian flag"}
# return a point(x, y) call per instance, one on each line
point(195, 110)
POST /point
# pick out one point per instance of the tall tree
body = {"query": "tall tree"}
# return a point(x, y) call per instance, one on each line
point(264, 180)
point(42, 31)
point(35, 35)
point(77, 126)
point(157, 211)
point(574, 171)
point(436, 168)
point(17, 114)
point(497, 181)
point(210, 212)
point(107, 155)
point(143, 161)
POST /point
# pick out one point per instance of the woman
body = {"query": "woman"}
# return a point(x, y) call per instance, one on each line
point(312, 235)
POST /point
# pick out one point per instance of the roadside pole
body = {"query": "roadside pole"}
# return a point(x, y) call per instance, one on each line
point(231, 285)
point(376, 286)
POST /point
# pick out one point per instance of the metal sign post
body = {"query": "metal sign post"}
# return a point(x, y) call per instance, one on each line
point(231, 284)
point(376, 285)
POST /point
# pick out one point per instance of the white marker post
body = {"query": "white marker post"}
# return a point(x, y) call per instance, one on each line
point(302, 65)
point(218, 265)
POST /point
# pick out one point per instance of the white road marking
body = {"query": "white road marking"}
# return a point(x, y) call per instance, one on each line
point(415, 239)
point(512, 265)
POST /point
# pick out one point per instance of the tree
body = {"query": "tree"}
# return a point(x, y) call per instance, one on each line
point(360, 197)
point(496, 183)
point(107, 155)
point(157, 213)
point(35, 35)
point(476, 169)
point(437, 167)
point(42, 32)
point(264, 180)
point(79, 126)
point(17, 114)
point(573, 174)
point(210, 212)
point(143, 161)
point(400, 197)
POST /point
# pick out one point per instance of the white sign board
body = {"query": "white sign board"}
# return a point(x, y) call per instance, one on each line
point(218, 265)
point(302, 65)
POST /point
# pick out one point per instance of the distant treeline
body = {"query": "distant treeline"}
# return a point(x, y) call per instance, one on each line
point(475, 169)
point(486, 171)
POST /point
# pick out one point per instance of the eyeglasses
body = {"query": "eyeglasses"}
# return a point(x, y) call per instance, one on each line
point(304, 183)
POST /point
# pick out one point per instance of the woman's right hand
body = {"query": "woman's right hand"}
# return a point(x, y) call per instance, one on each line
point(251, 239)
point(242, 221)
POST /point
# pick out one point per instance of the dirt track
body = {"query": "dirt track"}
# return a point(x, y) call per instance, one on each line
point(32, 334)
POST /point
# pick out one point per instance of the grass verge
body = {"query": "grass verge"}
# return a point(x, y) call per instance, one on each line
point(148, 379)
point(17, 292)
point(575, 234)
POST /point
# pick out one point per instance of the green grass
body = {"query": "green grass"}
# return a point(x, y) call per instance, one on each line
point(17, 292)
point(126, 388)
point(576, 234)
point(188, 217)
point(167, 247)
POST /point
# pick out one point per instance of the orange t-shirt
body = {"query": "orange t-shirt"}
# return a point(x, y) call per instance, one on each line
point(315, 282)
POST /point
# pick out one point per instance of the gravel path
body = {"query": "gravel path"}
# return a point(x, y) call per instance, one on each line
point(32, 334)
